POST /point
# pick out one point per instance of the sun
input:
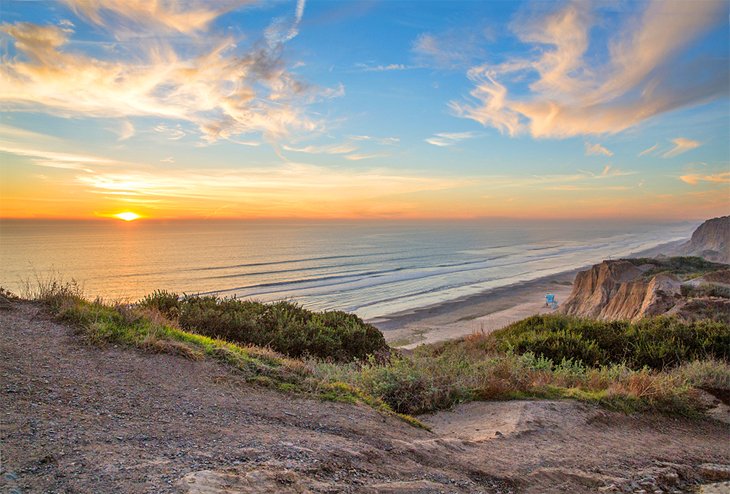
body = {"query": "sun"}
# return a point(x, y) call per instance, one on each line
point(127, 216)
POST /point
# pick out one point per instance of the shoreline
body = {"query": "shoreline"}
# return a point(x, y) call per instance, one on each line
point(486, 311)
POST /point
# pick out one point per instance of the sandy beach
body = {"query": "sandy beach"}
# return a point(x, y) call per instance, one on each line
point(487, 311)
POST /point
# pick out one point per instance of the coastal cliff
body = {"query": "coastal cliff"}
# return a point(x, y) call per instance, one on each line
point(689, 287)
point(711, 240)
point(619, 290)
point(630, 289)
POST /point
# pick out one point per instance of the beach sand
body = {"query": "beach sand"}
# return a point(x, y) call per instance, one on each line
point(487, 311)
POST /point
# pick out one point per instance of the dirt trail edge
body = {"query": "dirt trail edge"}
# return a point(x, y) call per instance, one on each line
point(77, 418)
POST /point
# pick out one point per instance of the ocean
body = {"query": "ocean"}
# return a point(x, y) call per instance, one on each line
point(372, 268)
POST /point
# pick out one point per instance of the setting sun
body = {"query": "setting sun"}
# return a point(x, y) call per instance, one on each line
point(127, 216)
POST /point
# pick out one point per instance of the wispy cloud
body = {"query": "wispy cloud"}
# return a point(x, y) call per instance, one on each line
point(681, 145)
point(208, 81)
point(294, 189)
point(571, 188)
point(386, 68)
point(384, 141)
point(346, 148)
point(55, 159)
point(445, 139)
point(451, 48)
point(643, 77)
point(187, 18)
point(171, 132)
point(125, 130)
point(281, 30)
point(362, 156)
point(696, 178)
point(608, 172)
point(327, 149)
point(649, 150)
point(597, 150)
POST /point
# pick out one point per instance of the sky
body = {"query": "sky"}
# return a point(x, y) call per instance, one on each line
point(365, 109)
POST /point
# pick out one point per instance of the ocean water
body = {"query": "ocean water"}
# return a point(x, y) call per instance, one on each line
point(370, 268)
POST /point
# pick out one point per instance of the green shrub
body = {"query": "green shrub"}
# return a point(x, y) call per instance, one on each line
point(400, 385)
point(686, 267)
point(286, 327)
point(653, 342)
point(166, 302)
point(709, 374)
point(706, 290)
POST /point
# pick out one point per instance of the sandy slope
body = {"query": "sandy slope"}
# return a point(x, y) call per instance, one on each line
point(77, 418)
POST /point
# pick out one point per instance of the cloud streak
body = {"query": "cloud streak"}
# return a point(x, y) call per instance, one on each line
point(696, 178)
point(328, 149)
point(386, 68)
point(187, 18)
point(445, 139)
point(383, 141)
point(597, 150)
point(681, 145)
point(291, 189)
point(644, 75)
point(649, 150)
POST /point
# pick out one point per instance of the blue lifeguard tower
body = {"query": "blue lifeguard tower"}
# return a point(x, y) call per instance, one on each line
point(550, 301)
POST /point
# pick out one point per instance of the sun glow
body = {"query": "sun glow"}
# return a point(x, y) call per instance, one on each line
point(127, 216)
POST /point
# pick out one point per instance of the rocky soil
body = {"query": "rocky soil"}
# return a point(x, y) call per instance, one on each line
point(77, 418)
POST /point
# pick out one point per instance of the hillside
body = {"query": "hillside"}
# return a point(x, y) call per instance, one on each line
point(688, 287)
point(77, 417)
point(711, 240)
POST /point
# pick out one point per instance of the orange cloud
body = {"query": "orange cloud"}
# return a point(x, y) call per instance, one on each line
point(681, 145)
point(695, 178)
point(641, 79)
point(187, 17)
point(220, 90)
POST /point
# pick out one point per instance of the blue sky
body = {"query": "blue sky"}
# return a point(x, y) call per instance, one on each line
point(365, 109)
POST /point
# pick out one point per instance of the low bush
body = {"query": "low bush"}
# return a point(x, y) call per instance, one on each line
point(653, 342)
point(286, 327)
point(425, 383)
point(706, 290)
point(167, 303)
point(684, 267)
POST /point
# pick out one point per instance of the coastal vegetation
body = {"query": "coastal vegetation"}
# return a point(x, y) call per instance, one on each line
point(657, 364)
point(283, 326)
point(684, 267)
point(656, 343)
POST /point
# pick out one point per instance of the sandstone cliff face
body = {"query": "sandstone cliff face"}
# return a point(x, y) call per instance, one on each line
point(710, 240)
point(625, 289)
point(618, 290)
point(594, 289)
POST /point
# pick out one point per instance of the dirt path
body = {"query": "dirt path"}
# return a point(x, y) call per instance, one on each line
point(77, 418)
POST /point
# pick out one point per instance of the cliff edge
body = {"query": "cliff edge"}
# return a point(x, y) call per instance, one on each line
point(711, 240)
point(688, 287)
